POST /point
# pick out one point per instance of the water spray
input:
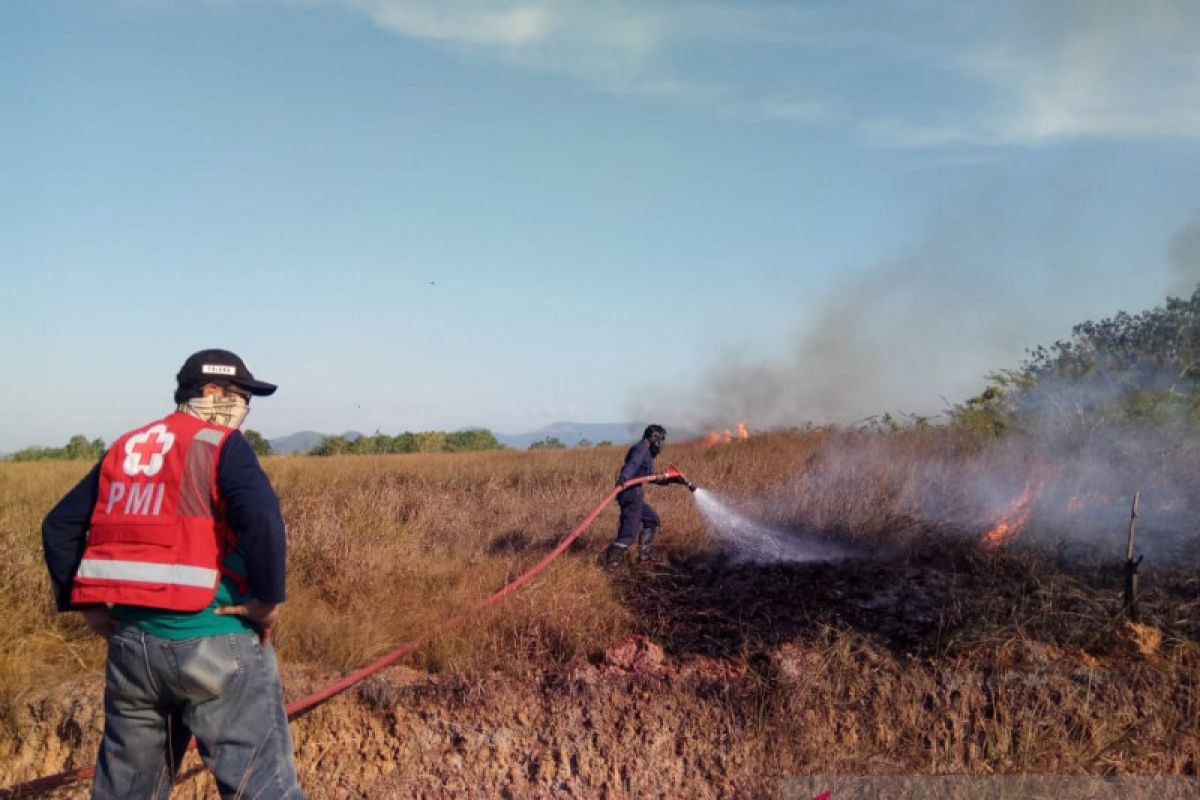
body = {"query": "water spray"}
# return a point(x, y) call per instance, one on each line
point(759, 543)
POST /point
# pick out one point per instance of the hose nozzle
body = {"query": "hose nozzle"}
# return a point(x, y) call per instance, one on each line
point(673, 475)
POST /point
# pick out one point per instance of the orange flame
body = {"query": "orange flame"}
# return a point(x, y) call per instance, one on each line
point(1014, 518)
point(739, 431)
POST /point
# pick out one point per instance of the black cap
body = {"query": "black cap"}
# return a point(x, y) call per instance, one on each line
point(221, 366)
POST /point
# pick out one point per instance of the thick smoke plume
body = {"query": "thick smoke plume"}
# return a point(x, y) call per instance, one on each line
point(911, 334)
point(916, 334)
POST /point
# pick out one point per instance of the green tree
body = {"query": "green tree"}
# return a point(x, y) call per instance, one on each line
point(331, 446)
point(258, 442)
point(1126, 369)
point(473, 439)
point(78, 448)
point(549, 443)
point(31, 454)
point(429, 442)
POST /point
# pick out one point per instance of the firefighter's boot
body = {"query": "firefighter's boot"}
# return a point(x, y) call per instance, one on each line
point(611, 558)
point(646, 546)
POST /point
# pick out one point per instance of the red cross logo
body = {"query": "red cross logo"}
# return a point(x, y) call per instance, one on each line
point(151, 445)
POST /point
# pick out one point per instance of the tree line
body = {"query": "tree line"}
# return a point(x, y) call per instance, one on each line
point(80, 448)
point(473, 439)
point(409, 442)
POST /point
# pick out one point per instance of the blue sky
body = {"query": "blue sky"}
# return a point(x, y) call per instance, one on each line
point(425, 215)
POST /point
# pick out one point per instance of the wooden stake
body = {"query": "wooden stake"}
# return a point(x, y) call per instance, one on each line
point(1131, 566)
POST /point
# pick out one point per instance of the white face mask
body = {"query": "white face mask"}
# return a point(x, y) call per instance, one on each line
point(228, 411)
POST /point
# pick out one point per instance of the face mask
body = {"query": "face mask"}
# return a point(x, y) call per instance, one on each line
point(228, 411)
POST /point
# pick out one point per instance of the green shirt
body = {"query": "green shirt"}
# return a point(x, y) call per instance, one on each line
point(194, 624)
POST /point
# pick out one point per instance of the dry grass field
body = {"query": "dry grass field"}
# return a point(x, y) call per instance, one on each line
point(929, 654)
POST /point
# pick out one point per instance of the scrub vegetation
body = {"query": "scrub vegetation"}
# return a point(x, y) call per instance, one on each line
point(930, 652)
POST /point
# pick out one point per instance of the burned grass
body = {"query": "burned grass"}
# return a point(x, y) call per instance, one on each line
point(939, 598)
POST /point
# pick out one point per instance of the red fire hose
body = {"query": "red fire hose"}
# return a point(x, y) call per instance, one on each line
point(305, 704)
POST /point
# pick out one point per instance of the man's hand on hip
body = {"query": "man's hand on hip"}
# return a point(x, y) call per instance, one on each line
point(261, 615)
point(99, 620)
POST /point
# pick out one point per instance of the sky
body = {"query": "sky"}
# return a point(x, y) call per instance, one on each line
point(431, 215)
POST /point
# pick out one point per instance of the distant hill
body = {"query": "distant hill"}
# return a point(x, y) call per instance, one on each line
point(303, 441)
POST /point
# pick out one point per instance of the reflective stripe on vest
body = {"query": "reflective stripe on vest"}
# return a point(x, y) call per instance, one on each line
point(174, 574)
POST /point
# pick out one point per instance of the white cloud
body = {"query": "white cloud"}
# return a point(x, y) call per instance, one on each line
point(620, 46)
point(1072, 70)
point(1018, 73)
point(807, 112)
point(1127, 70)
point(519, 26)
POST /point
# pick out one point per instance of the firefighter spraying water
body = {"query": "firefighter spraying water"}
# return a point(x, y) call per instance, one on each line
point(639, 521)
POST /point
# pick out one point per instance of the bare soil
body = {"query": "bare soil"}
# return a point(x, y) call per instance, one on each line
point(941, 660)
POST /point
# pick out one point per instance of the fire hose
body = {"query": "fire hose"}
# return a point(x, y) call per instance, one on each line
point(302, 706)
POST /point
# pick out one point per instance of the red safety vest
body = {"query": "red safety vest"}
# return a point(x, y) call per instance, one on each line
point(156, 537)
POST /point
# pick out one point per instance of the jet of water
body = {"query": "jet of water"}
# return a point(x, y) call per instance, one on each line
point(758, 543)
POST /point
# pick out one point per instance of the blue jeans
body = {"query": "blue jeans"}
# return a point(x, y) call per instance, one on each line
point(224, 690)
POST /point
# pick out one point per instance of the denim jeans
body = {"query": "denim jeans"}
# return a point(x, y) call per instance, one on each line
point(224, 690)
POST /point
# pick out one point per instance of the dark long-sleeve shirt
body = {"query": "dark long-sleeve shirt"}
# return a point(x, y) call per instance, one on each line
point(639, 461)
point(251, 511)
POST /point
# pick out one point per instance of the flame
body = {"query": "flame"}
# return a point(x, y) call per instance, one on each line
point(739, 431)
point(1088, 499)
point(1015, 517)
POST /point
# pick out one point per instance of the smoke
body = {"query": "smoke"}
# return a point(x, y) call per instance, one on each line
point(920, 331)
point(924, 328)
point(1067, 482)
point(758, 543)
point(912, 333)
point(865, 347)
point(1185, 259)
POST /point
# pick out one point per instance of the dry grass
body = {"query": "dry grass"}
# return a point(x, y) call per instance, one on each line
point(383, 547)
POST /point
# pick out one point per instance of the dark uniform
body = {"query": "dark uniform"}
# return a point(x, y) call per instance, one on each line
point(637, 516)
point(639, 522)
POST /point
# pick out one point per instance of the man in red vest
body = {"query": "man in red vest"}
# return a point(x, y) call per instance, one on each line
point(174, 549)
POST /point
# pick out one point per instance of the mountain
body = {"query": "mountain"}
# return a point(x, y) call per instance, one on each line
point(303, 441)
